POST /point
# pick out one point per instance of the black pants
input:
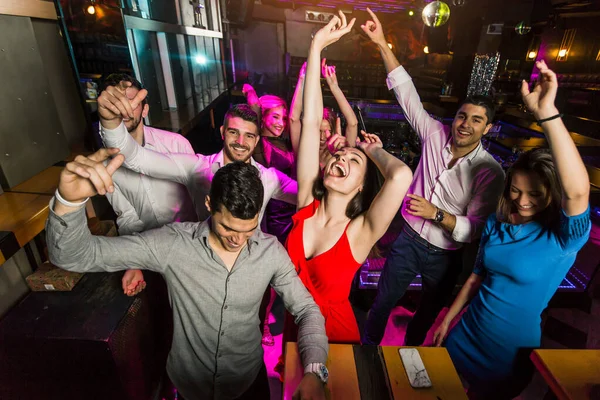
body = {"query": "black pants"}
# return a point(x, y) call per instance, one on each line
point(412, 255)
point(259, 390)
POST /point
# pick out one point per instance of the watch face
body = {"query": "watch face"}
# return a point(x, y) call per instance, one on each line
point(324, 372)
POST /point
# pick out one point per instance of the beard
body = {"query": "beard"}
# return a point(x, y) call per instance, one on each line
point(133, 124)
point(229, 150)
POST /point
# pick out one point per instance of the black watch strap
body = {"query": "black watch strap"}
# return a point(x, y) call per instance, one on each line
point(439, 216)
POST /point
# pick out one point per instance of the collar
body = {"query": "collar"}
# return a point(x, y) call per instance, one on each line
point(149, 137)
point(469, 157)
point(217, 162)
point(203, 231)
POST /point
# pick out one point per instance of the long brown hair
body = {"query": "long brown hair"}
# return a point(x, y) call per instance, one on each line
point(540, 163)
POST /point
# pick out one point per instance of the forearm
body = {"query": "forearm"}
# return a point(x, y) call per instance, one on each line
point(572, 173)
point(71, 246)
point(174, 167)
point(347, 112)
point(465, 295)
point(295, 115)
point(312, 339)
point(389, 166)
point(389, 59)
point(449, 221)
point(313, 98)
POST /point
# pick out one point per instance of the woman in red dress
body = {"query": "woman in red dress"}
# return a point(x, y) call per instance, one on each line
point(341, 213)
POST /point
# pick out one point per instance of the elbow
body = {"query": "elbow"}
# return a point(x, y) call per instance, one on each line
point(401, 174)
point(581, 194)
point(352, 123)
point(294, 119)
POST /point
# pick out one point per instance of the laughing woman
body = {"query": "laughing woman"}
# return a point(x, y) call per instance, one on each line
point(341, 213)
point(527, 248)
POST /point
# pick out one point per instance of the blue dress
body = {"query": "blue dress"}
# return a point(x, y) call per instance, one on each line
point(522, 266)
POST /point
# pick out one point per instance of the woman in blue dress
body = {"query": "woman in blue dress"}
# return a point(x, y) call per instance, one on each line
point(527, 248)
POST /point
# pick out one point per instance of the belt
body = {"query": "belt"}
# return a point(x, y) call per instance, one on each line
point(417, 238)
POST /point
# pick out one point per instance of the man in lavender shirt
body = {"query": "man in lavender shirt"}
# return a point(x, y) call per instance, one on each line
point(455, 187)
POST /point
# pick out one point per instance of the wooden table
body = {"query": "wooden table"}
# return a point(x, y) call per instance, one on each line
point(371, 372)
point(571, 374)
point(24, 214)
point(43, 183)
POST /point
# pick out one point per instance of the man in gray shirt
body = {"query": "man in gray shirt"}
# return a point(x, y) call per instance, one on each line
point(216, 272)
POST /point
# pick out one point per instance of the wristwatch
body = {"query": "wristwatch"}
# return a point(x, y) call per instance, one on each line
point(319, 369)
point(439, 216)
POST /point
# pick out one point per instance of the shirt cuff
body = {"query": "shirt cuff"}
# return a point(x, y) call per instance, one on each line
point(313, 355)
point(113, 133)
point(462, 230)
point(397, 77)
point(61, 222)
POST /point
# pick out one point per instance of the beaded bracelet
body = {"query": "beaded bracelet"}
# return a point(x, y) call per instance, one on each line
point(539, 122)
point(67, 203)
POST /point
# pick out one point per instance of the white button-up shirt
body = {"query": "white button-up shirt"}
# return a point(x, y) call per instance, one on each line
point(469, 190)
point(141, 202)
point(195, 171)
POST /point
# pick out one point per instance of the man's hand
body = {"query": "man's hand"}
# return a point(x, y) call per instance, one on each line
point(540, 101)
point(420, 207)
point(328, 72)
point(133, 282)
point(370, 143)
point(333, 31)
point(310, 388)
point(86, 176)
point(114, 105)
point(374, 30)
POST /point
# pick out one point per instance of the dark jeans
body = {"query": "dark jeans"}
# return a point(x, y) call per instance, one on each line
point(412, 255)
point(259, 390)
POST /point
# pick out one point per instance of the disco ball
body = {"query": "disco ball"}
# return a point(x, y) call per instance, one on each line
point(459, 3)
point(436, 14)
point(522, 28)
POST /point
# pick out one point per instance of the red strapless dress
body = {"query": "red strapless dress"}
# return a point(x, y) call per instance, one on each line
point(328, 277)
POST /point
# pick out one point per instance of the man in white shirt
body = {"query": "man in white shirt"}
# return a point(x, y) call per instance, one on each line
point(142, 202)
point(240, 135)
point(456, 186)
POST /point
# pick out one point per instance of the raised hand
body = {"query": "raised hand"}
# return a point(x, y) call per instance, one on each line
point(114, 105)
point(248, 90)
point(374, 30)
point(333, 31)
point(540, 101)
point(336, 142)
point(86, 176)
point(328, 72)
point(370, 143)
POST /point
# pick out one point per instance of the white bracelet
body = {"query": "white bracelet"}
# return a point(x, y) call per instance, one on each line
point(68, 203)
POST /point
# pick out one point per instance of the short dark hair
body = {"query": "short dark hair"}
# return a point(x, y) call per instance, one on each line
point(482, 101)
point(243, 111)
point(114, 79)
point(238, 188)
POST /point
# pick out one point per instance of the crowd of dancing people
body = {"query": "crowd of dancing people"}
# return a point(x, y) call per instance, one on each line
point(292, 207)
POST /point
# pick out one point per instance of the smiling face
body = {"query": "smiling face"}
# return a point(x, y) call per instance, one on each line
point(528, 195)
point(231, 233)
point(468, 127)
point(345, 171)
point(274, 122)
point(325, 130)
point(240, 138)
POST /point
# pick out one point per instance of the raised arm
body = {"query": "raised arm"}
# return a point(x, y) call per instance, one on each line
point(399, 80)
point(367, 229)
point(308, 154)
point(251, 98)
point(571, 171)
point(128, 220)
point(330, 76)
point(70, 243)
point(113, 107)
point(296, 110)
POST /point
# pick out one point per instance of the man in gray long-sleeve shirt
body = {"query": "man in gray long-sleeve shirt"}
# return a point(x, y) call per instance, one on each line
point(216, 272)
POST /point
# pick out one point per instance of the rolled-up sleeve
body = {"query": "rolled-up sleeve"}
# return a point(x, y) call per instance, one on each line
point(486, 193)
point(285, 188)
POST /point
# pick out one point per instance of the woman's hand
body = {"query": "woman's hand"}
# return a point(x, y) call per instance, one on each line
point(540, 101)
point(302, 73)
point(328, 72)
point(440, 333)
point(370, 143)
point(333, 31)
